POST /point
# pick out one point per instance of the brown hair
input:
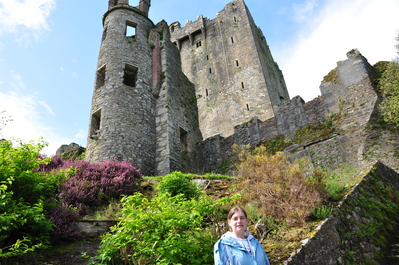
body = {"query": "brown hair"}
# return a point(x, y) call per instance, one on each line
point(234, 210)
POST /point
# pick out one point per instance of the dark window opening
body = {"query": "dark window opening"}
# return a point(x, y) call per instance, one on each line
point(104, 35)
point(95, 125)
point(210, 70)
point(235, 19)
point(232, 40)
point(130, 30)
point(206, 92)
point(130, 75)
point(183, 140)
point(242, 85)
point(247, 107)
point(281, 98)
point(100, 77)
point(198, 43)
point(237, 64)
point(207, 57)
point(172, 29)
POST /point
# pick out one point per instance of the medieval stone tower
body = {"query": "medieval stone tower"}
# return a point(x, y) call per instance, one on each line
point(159, 89)
point(229, 61)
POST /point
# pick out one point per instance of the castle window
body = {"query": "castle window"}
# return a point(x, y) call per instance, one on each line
point(232, 40)
point(95, 125)
point(100, 77)
point(104, 35)
point(237, 64)
point(198, 43)
point(247, 107)
point(235, 19)
point(130, 30)
point(172, 28)
point(210, 70)
point(206, 92)
point(242, 85)
point(207, 57)
point(183, 140)
point(130, 75)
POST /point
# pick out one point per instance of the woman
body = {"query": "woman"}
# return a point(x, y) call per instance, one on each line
point(239, 247)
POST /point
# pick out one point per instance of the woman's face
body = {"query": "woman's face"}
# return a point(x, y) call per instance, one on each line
point(238, 223)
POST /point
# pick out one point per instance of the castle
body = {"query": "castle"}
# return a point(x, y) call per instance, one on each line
point(170, 98)
point(160, 90)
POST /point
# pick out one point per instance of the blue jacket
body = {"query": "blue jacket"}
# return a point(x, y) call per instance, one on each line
point(227, 251)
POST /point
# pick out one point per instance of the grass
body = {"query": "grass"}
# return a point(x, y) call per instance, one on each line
point(285, 201)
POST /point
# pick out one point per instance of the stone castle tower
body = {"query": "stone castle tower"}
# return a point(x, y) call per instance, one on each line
point(229, 61)
point(160, 90)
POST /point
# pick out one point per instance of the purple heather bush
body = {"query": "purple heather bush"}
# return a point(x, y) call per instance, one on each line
point(64, 224)
point(94, 184)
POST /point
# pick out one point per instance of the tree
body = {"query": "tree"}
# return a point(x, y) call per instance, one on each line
point(389, 85)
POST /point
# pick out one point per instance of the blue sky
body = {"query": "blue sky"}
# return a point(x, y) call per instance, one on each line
point(49, 49)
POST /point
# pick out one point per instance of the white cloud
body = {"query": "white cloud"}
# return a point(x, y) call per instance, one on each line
point(17, 82)
point(326, 37)
point(303, 10)
point(28, 123)
point(81, 135)
point(31, 15)
point(47, 107)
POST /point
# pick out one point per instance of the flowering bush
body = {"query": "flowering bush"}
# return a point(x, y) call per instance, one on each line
point(94, 184)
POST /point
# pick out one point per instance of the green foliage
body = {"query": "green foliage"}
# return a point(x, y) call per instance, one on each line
point(389, 85)
point(21, 163)
point(23, 224)
point(322, 212)
point(163, 230)
point(177, 183)
point(4, 120)
point(23, 227)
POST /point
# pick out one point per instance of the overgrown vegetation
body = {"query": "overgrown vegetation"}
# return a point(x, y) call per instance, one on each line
point(388, 84)
point(40, 197)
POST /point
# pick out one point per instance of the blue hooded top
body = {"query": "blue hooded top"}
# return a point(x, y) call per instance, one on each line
point(228, 251)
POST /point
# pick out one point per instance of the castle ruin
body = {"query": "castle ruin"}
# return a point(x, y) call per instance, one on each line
point(169, 98)
point(160, 90)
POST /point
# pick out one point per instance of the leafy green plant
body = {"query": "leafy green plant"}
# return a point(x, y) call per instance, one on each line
point(177, 183)
point(322, 212)
point(164, 230)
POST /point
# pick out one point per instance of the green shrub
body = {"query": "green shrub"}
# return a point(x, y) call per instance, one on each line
point(177, 183)
point(163, 230)
point(322, 212)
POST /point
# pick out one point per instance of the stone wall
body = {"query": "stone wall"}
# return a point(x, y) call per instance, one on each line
point(349, 101)
point(228, 60)
point(362, 226)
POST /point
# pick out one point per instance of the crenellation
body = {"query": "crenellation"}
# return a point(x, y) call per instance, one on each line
point(169, 98)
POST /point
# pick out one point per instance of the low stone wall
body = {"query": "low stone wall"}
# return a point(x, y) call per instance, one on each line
point(362, 227)
point(93, 228)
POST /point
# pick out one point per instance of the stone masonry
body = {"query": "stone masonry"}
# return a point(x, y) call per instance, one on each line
point(160, 89)
point(170, 98)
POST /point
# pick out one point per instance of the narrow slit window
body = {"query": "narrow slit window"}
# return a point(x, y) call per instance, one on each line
point(130, 75)
point(206, 92)
point(242, 85)
point(183, 140)
point(104, 35)
point(210, 70)
point(247, 107)
point(237, 64)
point(207, 57)
point(100, 77)
point(232, 40)
point(130, 30)
point(235, 19)
point(95, 125)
